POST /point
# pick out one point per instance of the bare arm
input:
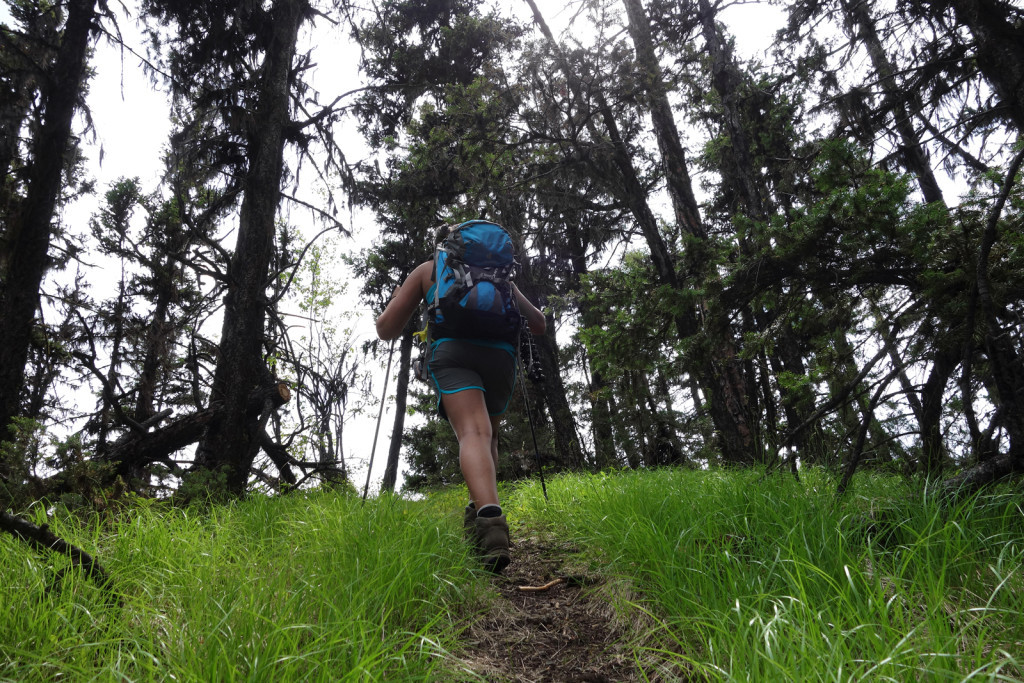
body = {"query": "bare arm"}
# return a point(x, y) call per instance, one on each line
point(404, 302)
point(534, 317)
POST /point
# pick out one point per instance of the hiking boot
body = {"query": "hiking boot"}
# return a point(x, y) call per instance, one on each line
point(469, 524)
point(492, 542)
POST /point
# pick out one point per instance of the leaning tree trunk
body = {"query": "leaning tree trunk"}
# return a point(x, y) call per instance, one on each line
point(915, 158)
point(600, 407)
point(232, 443)
point(680, 189)
point(719, 371)
point(739, 177)
point(1006, 364)
point(999, 41)
point(1005, 359)
point(27, 232)
point(401, 391)
point(568, 449)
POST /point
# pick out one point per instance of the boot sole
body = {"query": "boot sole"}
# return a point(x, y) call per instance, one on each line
point(496, 563)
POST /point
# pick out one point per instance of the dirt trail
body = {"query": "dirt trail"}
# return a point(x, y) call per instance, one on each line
point(565, 633)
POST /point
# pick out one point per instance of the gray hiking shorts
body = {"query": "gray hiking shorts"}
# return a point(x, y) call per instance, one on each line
point(459, 364)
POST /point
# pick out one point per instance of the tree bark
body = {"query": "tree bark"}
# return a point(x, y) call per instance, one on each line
point(999, 45)
point(719, 371)
point(567, 445)
point(230, 444)
point(568, 450)
point(600, 407)
point(158, 335)
point(24, 61)
point(915, 158)
point(401, 391)
point(135, 450)
point(981, 475)
point(725, 79)
point(41, 538)
point(933, 449)
point(601, 423)
point(1005, 359)
point(27, 233)
point(680, 189)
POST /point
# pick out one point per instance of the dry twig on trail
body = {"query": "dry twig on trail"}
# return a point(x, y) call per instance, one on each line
point(546, 586)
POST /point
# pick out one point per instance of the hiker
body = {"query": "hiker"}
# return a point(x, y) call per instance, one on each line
point(473, 370)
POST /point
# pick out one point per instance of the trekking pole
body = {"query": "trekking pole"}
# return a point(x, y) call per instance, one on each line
point(380, 414)
point(529, 416)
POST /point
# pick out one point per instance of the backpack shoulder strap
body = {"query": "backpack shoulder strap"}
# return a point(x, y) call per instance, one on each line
point(433, 278)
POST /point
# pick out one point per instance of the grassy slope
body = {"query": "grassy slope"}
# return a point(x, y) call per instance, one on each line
point(769, 579)
point(749, 579)
point(313, 587)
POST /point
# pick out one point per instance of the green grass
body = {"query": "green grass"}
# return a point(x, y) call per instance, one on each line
point(305, 587)
point(763, 579)
point(734, 576)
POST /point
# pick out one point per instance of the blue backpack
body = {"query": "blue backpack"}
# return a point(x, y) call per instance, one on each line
point(473, 298)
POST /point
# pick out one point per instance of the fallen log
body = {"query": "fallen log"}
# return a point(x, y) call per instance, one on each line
point(41, 538)
point(975, 478)
point(135, 449)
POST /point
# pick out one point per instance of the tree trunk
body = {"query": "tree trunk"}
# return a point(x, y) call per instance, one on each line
point(401, 391)
point(850, 412)
point(27, 233)
point(23, 65)
point(720, 370)
point(719, 373)
point(568, 450)
point(797, 401)
point(725, 79)
point(933, 449)
point(677, 454)
point(158, 335)
point(999, 45)
point(680, 189)
point(627, 185)
point(1006, 362)
point(915, 158)
point(601, 423)
point(563, 424)
point(630, 456)
point(232, 443)
point(600, 407)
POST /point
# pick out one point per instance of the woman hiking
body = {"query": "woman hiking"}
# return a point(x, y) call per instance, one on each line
point(474, 375)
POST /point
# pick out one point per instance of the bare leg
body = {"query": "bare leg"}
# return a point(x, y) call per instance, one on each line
point(495, 426)
point(478, 444)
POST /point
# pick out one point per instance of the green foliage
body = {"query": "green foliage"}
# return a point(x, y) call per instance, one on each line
point(415, 49)
point(20, 454)
point(204, 486)
point(827, 256)
point(637, 320)
point(318, 360)
point(39, 466)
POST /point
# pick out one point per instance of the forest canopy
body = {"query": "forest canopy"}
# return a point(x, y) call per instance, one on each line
point(811, 258)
